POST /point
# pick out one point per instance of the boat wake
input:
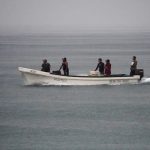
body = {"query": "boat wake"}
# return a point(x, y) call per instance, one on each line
point(145, 80)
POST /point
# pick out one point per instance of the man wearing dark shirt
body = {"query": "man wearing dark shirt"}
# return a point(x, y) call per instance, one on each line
point(133, 66)
point(100, 66)
point(45, 66)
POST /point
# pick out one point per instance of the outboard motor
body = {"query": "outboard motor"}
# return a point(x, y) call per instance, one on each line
point(139, 72)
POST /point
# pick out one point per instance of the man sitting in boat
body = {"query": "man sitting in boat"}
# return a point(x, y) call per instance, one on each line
point(133, 66)
point(100, 66)
point(45, 66)
point(65, 66)
point(108, 68)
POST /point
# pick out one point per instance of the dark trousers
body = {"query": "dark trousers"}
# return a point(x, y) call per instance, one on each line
point(66, 72)
point(132, 72)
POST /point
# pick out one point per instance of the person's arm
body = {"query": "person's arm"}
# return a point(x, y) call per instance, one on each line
point(49, 66)
point(61, 67)
point(97, 67)
point(135, 63)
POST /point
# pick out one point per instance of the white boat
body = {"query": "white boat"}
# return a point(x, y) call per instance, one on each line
point(36, 77)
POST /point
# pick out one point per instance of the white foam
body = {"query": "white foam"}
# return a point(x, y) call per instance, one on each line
point(145, 80)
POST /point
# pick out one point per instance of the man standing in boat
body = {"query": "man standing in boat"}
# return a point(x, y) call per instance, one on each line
point(100, 66)
point(65, 66)
point(133, 66)
point(108, 68)
point(45, 66)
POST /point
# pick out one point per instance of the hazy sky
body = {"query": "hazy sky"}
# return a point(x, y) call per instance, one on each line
point(53, 15)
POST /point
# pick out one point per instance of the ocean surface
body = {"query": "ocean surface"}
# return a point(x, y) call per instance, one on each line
point(106, 117)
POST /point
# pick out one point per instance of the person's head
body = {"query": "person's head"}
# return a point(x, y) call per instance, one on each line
point(134, 58)
point(64, 59)
point(107, 61)
point(99, 60)
point(44, 60)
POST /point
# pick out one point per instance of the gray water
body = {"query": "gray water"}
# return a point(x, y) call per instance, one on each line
point(71, 117)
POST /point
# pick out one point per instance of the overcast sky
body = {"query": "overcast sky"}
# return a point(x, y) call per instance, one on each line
point(54, 15)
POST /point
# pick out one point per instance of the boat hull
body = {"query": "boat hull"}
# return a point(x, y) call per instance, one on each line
point(36, 77)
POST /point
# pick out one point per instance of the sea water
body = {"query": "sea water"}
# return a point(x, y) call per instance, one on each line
point(112, 117)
